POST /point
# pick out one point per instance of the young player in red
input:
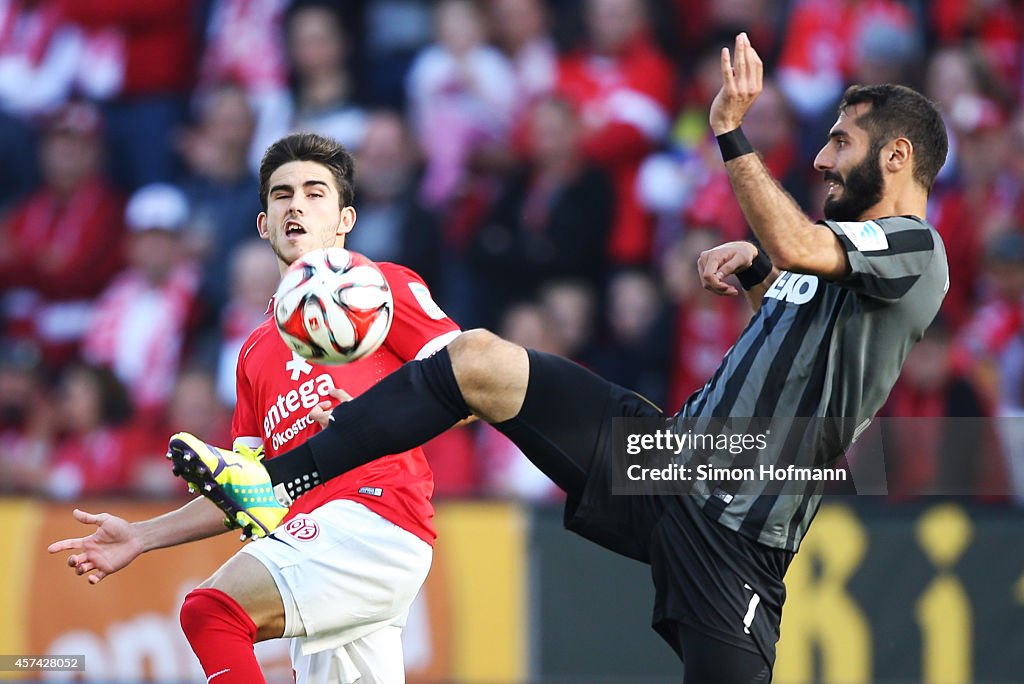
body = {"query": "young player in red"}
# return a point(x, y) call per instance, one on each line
point(341, 571)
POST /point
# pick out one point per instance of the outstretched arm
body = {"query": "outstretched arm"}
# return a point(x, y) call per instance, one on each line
point(792, 240)
point(116, 542)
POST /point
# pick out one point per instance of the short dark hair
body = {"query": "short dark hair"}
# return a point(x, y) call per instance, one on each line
point(313, 148)
point(901, 112)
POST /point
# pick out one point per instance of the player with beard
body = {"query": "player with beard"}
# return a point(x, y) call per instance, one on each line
point(836, 315)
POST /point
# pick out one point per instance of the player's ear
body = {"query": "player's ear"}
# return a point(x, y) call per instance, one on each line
point(897, 154)
point(261, 225)
point(348, 220)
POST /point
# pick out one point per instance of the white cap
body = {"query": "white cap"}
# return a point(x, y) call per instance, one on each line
point(157, 206)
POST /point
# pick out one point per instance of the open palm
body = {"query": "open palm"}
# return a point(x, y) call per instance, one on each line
point(113, 545)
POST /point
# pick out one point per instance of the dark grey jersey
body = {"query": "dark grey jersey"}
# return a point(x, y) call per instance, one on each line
point(821, 350)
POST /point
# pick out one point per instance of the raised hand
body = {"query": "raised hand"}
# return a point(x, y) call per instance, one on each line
point(113, 545)
point(716, 264)
point(742, 80)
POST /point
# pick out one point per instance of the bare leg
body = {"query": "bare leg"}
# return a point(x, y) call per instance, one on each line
point(492, 374)
point(247, 581)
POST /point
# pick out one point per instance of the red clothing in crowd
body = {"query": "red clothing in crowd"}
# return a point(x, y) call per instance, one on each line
point(996, 26)
point(61, 253)
point(949, 213)
point(624, 104)
point(703, 334)
point(158, 40)
point(94, 463)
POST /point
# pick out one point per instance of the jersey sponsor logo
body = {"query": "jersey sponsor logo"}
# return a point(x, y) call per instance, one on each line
point(793, 288)
point(426, 302)
point(302, 528)
point(303, 398)
point(866, 236)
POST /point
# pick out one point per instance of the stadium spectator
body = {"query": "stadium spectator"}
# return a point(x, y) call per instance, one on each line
point(323, 89)
point(393, 33)
point(194, 403)
point(505, 471)
point(39, 58)
point(570, 312)
point(820, 49)
point(937, 456)
point(521, 29)
point(254, 278)
point(26, 429)
point(636, 345)
point(458, 96)
point(394, 225)
point(235, 31)
point(993, 26)
point(140, 322)
point(991, 344)
point(141, 65)
point(94, 454)
point(222, 192)
point(703, 327)
point(887, 49)
point(551, 221)
point(623, 88)
point(62, 243)
point(952, 81)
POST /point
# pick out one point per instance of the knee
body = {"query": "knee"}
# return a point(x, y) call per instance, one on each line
point(492, 373)
point(205, 609)
point(196, 610)
point(475, 345)
point(478, 357)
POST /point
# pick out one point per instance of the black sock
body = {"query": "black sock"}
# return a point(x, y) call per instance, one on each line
point(411, 406)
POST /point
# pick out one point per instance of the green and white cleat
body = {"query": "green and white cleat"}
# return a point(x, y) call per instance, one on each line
point(235, 481)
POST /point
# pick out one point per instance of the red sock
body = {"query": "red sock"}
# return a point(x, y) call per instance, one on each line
point(222, 636)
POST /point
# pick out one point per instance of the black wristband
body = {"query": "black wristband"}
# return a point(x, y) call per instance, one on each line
point(733, 144)
point(754, 275)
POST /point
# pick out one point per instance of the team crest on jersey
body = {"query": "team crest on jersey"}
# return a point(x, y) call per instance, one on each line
point(866, 236)
point(298, 366)
point(793, 288)
point(426, 302)
point(302, 528)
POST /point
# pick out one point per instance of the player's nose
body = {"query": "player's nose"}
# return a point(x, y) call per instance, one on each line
point(824, 161)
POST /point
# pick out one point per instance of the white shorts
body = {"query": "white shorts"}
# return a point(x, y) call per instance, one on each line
point(345, 575)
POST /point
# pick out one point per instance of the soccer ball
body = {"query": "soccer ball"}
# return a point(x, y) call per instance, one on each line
point(333, 306)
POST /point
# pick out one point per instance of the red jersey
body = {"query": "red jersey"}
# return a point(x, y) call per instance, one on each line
point(277, 389)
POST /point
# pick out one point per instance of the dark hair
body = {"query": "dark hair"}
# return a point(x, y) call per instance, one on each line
point(313, 148)
point(901, 112)
point(115, 403)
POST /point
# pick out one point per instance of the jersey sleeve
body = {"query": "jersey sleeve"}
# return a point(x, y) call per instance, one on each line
point(886, 256)
point(245, 426)
point(420, 326)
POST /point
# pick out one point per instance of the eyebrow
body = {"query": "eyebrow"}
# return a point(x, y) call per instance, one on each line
point(837, 133)
point(307, 184)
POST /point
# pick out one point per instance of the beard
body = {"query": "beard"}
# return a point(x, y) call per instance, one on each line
point(862, 189)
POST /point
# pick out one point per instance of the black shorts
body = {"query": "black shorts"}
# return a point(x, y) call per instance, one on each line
point(706, 576)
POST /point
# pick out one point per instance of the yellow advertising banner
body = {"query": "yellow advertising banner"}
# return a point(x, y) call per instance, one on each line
point(467, 625)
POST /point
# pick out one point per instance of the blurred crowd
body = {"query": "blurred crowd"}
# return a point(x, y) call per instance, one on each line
point(546, 166)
